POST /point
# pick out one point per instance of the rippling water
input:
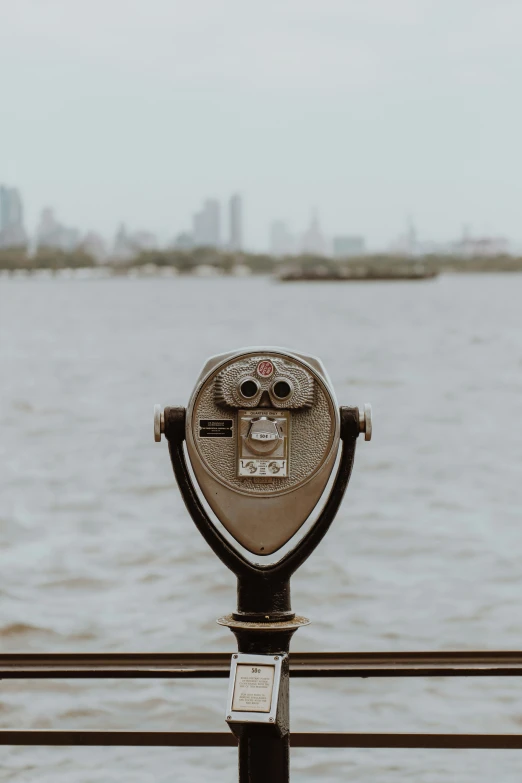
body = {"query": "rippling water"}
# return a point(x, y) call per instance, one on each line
point(97, 551)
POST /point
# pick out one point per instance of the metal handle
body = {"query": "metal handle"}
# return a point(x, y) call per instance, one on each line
point(159, 423)
point(365, 421)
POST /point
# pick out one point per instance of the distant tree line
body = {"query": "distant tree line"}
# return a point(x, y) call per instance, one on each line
point(184, 261)
point(45, 258)
point(188, 261)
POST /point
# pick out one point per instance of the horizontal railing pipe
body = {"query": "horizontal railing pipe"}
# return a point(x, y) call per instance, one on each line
point(165, 739)
point(217, 665)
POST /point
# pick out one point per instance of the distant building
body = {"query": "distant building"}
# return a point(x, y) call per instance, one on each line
point(207, 225)
point(122, 249)
point(52, 234)
point(281, 240)
point(467, 246)
point(12, 232)
point(313, 241)
point(235, 241)
point(11, 211)
point(474, 247)
point(94, 245)
point(128, 245)
point(48, 231)
point(407, 244)
point(348, 246)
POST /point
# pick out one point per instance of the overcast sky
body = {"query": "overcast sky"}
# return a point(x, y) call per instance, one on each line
point(369, 110)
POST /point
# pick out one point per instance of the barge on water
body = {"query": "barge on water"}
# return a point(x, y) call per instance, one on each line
point(356, 271)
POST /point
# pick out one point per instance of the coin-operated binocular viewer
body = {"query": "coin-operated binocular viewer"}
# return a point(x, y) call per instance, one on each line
point(271, 454)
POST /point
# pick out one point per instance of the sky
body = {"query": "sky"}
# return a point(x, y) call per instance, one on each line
point(369, 111)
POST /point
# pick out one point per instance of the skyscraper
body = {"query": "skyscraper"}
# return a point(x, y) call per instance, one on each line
point(207, 225)
point(122, 249)
point(12, 232)
point(313, 241)
point(235, 241)
point(4, 206)
point(52, 234)
point(198, 230)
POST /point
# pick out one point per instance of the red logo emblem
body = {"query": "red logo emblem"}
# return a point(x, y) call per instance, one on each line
point(265, 368)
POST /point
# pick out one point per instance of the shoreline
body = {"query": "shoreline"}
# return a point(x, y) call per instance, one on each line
point(396, 274)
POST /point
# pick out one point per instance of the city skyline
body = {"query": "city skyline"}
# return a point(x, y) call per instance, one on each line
point(184, 227)
point(405, 107)
point(223, 229)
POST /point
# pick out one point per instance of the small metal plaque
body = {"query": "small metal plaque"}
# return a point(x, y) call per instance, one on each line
point(254, 688)
point(215, 428)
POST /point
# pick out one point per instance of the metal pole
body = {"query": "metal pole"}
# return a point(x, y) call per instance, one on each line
point(263, 759)
point(264, 756)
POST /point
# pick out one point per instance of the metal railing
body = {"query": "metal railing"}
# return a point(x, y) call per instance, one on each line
point(217, 665)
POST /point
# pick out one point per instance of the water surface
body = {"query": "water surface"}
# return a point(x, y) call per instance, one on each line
point(97, 551)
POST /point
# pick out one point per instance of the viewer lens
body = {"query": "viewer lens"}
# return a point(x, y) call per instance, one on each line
point(282, 390)
point(249, 389)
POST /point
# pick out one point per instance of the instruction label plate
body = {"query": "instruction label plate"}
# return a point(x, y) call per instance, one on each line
point(253, 688)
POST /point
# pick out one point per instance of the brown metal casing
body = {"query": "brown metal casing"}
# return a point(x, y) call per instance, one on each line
point(262, 512)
